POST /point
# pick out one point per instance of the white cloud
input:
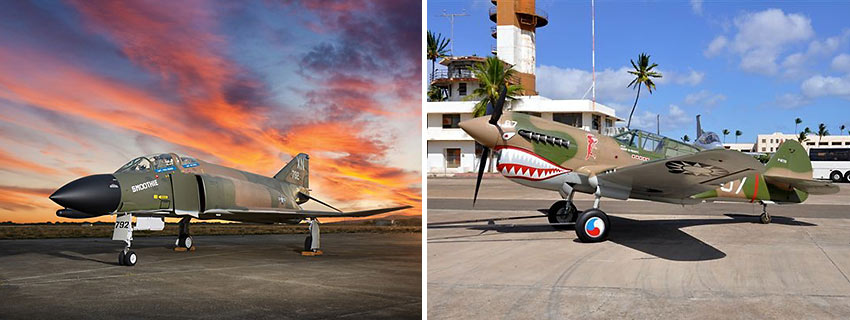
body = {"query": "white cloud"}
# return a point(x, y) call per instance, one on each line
point(704, 98)
point(696, 6)
point(841, 63)
point(819, 86)
point(675, 118)
point(716, 46)
point(761, 37)
point(557, 83)
point(790, 101)
point(611, 85)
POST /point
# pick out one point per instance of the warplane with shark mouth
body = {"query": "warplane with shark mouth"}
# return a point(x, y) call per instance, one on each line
point(157, 186)
point(634, 164)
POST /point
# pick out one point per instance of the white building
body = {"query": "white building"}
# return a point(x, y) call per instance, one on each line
point(768, 143)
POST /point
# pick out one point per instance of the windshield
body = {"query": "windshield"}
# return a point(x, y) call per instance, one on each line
point(140, 164)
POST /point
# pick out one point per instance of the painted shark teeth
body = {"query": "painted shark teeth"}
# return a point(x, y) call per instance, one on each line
point(521, 164)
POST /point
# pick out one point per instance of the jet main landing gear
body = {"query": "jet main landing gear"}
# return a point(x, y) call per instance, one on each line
point(184, 240)
point(765, 217)
point(312, 245)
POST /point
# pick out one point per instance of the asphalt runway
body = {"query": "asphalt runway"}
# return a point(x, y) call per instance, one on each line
point(709, 261)
point(361, 275)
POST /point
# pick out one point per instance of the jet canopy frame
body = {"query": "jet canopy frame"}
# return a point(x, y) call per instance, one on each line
point(159, 162)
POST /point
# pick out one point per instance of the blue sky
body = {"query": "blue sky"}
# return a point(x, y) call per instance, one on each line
point(750, 66)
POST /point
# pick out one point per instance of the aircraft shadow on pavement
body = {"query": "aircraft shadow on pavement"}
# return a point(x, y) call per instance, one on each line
point(660, 238)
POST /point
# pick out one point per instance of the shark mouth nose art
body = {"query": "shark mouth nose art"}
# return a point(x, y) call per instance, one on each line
point(521, 164)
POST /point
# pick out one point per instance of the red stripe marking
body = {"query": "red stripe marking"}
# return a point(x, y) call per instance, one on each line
point(756, 190)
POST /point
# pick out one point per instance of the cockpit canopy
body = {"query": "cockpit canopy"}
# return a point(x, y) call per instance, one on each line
point(653, 143)
point(162, 162)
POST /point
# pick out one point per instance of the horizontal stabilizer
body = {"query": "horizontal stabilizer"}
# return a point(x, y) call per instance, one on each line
point(806, 185)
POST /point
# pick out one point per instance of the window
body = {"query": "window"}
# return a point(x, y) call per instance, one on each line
point(452, 158)
point(451, 121)
point(835, 143)
point(829, 155)
point(810, 143)
point(762, 149)
point(609, 123)
point(572, 119)
point(461, 89)
point(627, 138)
point(763, 141)
point(651, 144)
point(595, 123)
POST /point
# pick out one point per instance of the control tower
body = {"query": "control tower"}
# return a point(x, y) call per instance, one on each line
point(516, 24)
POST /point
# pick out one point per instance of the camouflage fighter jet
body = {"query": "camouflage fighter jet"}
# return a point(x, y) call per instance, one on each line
point(549, 155)
point(167, 185)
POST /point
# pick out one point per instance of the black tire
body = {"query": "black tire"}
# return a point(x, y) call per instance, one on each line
point(764, 218)
point(847, 176)
point(596, 220)
point(121, 258)
point(561, 213)
point(130, 259)
point(836, 176)
point(308, 243)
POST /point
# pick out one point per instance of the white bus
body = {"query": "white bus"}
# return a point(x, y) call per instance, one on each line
point(832, 164)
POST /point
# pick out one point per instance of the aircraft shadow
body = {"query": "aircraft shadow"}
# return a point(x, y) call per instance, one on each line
point(660, 238)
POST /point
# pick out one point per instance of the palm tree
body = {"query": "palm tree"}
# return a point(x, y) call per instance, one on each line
point(804, 135)
point(436, 49)
point(643, 76)
point(841, 128)
point(492, 74)
point(725, 132)
point(686, 138)
point(435, 94)
point(797, 122)
point(822, 132)
point(738, 133)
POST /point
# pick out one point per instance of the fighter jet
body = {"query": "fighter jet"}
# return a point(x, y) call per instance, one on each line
point(549, 155)
point(157, 186)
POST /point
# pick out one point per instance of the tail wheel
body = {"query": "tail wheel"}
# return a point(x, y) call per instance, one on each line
point(836, 176)
point(562, 212)
point(592, 225)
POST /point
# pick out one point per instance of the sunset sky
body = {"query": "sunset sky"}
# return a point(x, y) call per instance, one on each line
point(86, 86)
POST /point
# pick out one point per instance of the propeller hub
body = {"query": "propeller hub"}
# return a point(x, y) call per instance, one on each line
point(482, 131)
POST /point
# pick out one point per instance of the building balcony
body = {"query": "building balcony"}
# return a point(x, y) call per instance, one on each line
point(493, 31)
point(538, 19)
point(442, 76)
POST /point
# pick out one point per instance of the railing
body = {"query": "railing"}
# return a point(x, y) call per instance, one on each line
point(457, 73)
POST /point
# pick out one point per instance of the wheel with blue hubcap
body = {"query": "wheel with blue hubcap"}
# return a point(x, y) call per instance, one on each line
point(592, 225)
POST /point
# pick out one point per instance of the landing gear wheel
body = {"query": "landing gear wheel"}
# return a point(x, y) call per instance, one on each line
point(836, 176)
point(186, 243)
point(308, 244)
point(592, 226)
point(121, 258)
point(847, 176)
point(130, 258)
point(562, 212)
point(764, 218)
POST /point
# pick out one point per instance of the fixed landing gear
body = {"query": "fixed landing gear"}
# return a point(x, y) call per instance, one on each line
point(765, 217)
point(592, 225)
point(562, 212)
point(184, 240)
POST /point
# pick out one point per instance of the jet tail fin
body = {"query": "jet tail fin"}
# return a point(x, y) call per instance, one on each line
point(296, 171)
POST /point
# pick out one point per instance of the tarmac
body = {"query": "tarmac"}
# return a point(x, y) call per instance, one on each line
point(360, 275)
point(501, 259)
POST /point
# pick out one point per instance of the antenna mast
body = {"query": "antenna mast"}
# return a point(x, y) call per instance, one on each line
point(451, 17)
point(593, 47)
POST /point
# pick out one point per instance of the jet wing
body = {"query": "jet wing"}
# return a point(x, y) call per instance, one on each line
point(678, 178)
point(278, 214)
point(807, 185)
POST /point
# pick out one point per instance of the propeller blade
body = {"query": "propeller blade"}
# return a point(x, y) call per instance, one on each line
point(484, 155)
point(319, 201)
point(499, 105)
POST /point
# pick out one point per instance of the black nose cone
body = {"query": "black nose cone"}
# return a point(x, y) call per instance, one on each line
point(97, 194)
